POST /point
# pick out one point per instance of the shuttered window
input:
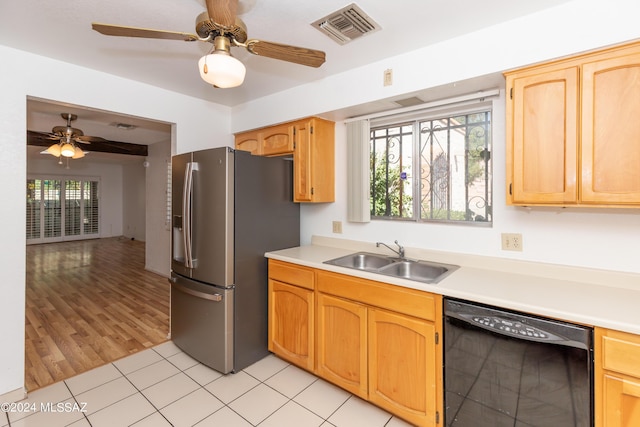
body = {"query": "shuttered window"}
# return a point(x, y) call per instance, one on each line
point(61, 209)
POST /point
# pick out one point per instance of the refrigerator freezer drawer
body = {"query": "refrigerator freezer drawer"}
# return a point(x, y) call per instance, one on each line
point(202, 322)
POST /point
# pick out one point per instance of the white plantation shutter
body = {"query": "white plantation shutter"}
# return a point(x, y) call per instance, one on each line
point(90, 208)
point(34, 205)
point(52, 208)
point(59, 210)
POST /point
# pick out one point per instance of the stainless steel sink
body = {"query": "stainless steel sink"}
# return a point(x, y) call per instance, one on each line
point(362, 261)
point(418, 270)
point(421, 271)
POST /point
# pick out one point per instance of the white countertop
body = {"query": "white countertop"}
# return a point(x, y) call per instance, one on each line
point(590, 297)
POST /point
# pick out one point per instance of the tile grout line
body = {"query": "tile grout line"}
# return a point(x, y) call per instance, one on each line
point(143, 395)
point(73, 396)
point(203, 386)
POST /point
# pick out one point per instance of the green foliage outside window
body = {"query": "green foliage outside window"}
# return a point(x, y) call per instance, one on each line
point(386, 190)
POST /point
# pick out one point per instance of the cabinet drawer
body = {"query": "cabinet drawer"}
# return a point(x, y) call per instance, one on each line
point(621, 353)
point(292, 274)
point(390, 297)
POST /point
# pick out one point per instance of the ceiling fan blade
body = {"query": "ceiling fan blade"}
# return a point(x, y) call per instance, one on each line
point(223, 12)
point(124, 31)
point(86, 139)
point(41, 136)
point(297, 55)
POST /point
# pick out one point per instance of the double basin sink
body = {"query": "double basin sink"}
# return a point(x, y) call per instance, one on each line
point(417, 270)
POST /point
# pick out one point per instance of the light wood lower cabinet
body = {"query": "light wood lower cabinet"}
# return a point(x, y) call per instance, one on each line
point(617, 379)
point(378, 341)
point(402, 370)
point(342, 343)
point(291, 314)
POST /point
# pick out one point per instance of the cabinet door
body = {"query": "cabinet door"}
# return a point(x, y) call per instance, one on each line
point(402, 366)
point(291, 323)
point(611, 130)
point(277, 140)
point(302, 187)
point(249, 141)
point(621, 406)
point(313, 161)
point(542, 141)
point(617, 379)
point(342, 343)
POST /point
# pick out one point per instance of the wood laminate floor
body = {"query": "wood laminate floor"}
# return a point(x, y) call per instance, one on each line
point(89, 303)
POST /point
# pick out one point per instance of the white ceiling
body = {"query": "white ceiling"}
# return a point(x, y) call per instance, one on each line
point(62, 30)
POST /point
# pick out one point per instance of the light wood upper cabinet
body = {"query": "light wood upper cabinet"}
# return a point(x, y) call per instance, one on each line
point(313, 161)
point(617, 379)
point(272, 141)
point(545, 143)
point(277, 140)
point(573, 138)
point(611, 129)
point(312, 143)
point(249, 141)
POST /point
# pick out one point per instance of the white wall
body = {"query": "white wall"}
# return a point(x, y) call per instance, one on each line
point(134, 200)
point(21, 76)
point(158, 251)
point(572, 27)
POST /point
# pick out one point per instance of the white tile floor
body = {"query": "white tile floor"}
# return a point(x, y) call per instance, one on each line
point(163, 386)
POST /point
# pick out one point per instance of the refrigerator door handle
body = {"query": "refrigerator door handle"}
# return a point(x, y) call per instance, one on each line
point(212, 297)
point(187, 197)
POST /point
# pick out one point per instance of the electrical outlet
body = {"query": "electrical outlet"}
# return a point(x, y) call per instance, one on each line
point(388, 77)
point(512, 242)
point(337, 227)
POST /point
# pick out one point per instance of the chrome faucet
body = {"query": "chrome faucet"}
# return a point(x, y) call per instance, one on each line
point(400, 250)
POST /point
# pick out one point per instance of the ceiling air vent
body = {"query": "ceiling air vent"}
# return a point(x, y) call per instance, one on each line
point(346, 24)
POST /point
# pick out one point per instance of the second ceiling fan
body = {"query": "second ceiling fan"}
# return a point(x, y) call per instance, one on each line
point(220, 26)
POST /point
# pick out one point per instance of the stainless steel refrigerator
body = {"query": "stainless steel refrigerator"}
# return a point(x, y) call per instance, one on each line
point(228, 209)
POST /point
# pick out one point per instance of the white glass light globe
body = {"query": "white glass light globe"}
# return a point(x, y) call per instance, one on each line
point(221, 70)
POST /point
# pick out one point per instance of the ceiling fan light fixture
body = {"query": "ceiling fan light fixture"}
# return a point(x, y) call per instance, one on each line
point(67, 150)
point(78, 154)
point(54, 150)
point(220, 68)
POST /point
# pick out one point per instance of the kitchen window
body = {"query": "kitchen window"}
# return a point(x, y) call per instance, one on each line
point(432, 166)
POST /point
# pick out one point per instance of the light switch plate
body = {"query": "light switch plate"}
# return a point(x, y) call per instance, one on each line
point(337, 227)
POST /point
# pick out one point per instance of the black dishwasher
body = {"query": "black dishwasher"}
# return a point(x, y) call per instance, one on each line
point(504, 368)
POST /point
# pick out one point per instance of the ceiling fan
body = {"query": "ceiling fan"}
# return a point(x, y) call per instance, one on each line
point(220, 26)
point(64, 141)
point(67, 138)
